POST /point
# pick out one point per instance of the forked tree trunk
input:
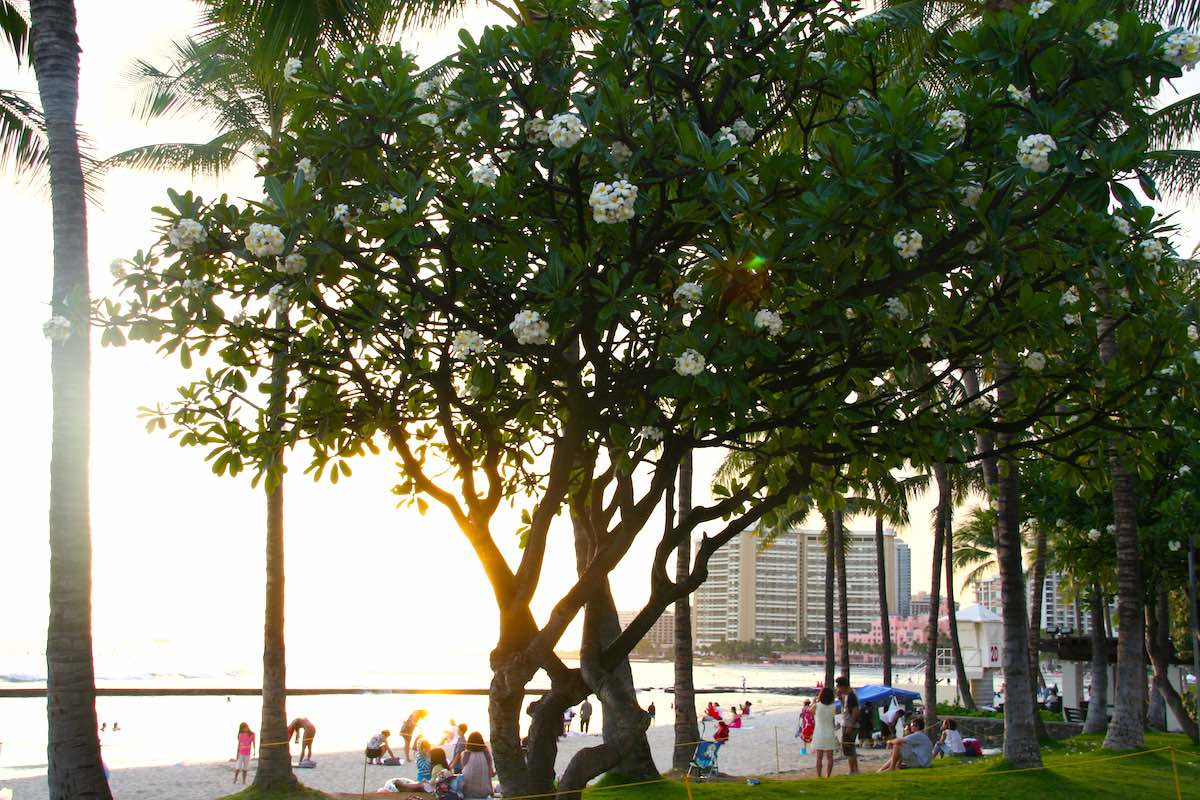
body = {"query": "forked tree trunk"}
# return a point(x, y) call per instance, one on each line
point(1125, 732)
point(960, 670)
point(74, 768)
point(935, 596)
point(686, 728)
point(839, 527)
point(884, 614)
point(830, 568)
point(1020, 715)
point(1159, 646)
point(1097, 712)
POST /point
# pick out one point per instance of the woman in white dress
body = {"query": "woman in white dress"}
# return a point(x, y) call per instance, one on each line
point(824, 736)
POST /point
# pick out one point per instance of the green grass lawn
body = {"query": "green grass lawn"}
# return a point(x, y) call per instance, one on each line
point(1075, 768)
point(946, 710)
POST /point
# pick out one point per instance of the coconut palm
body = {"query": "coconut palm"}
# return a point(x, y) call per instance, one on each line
point(22, 129)
point(686, 728)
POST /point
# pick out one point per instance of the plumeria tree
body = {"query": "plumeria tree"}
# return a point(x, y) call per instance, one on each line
point(585, 248)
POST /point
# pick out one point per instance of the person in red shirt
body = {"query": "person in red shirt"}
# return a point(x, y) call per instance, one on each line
point(721, 736)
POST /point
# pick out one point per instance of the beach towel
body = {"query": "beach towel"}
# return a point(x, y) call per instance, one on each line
point(393, 762)
point(307, 763)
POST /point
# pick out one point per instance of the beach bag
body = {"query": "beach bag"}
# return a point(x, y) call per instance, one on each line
point(393, 762)
point(971, 747)
point(443, 786)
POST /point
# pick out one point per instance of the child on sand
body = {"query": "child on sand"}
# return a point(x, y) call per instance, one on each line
point(245, 748)
point(805, 729)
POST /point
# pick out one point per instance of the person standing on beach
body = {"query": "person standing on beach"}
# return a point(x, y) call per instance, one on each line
point(651, 710)
point(585, 715)
point(804, 730)
point(245, 748)
point(568, 718)
point(302, 725)
point(409, 728)
point(460, 745)
point(824, 738)
point(850, 721)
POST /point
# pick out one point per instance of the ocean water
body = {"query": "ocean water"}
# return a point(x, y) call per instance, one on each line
point(172, 730)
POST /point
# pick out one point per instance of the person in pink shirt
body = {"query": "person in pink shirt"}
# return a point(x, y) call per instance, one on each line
point(245, 748)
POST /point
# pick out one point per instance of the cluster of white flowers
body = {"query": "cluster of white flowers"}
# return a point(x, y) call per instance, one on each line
point(1072, 319)
point(538, 129)
point(1039, 7)
point(259, 150)
point(1184, 471)
point(1182, 49)
point(971, 194)
point(689, 294)
point(926, 341)
point(424, 89)
point(565, 130)
point(485, 172)
point(341, 212)
point(1193, 332)
point(429, 119)
point(974, 246)
point(264, 240)
point(613, 202)
point(856, 106)
point(908, 243)
point(725, 134)
point(468, 343)
point(1152, 250)
point(768, 320)
point(1122, 225)
point(529, 328)
point(1174, 545)
point(601, 9)
point(239, 318)
point(462, 128)
point(1036, 361)
point(291, 68)
point(1069, 297)
point(1104, 31)
point(1094, 534)
point(294, 264)
point(394, 204)
point(192, 285)
point(689, 363)
point(953, 122)
point(851, 313)
point(1018, 96)
point(817, 56)
point(277, 299)
point(1033, 151)
point(304, 170)
point(186, 233)
point(896, 309)
point(651, 433)
point(117, 269)
point(620, 152)
point(742, 129)
point(57, 328)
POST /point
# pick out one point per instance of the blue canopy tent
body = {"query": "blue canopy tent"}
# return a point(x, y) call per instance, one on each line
point(880, 696)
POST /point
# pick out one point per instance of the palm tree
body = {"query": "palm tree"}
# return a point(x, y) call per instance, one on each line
point(941, 516)
point(1097, 712)
point(73, 747)
point(964, 685)
point(840, 543)
point(686, 728)
point(890, 506)
point(830, 569)
point(1037, 595)
point(22, 129)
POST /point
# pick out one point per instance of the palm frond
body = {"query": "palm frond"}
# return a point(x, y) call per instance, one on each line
point(1175, 125)
point(14, 27)
point(1171, 13)
point(207, 158)
point(1175, 173)
point(23, 147)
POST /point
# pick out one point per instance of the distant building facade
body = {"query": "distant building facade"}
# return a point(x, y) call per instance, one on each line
point(909, 634)
point(1058, 609)
point(919, 607)
point(661, 635)
point(903, 580)
point(987, 594)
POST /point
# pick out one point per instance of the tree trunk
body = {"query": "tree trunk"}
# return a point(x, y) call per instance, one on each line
point(1035, 610)
point(839, 527)
point(830, 569)
point(506, 693)
point(1158, 621)
point(935, 599)
point(686, 728)
point(1020, 715)
point(960, 670)
point(886, 647)
point(1097, 712)
point(1126, 731)
point(1108, 631)
point(74, 768)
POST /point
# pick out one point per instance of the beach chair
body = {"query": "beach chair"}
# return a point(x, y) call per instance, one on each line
point(704, 761)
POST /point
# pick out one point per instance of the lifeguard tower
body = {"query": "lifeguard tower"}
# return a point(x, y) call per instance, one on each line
point(980, 636)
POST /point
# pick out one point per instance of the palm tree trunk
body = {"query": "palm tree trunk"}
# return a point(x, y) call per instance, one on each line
point(1097, 712)
point(686, 728)
point(960, 670)
point(1158, 623)
point(839, 527)
point(74, 768)
point(830, 568)
point(1035, 609)
point(1020, 713)
point(886, 647)
point(1126, 730)
point(935, 596)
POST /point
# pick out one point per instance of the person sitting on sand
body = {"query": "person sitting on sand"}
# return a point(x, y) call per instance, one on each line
point(824, 736)
point(409, 728)
point(430, 761)
point(746, 709)
point(302, 725)
point(736, 722)
point(711, 712)
point(245, 749)
point(477, 769)
point(721, 734)
point(912, 750)
point(951, 741)
point(377, 746)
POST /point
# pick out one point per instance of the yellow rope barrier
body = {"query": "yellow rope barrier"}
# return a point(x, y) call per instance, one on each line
point(1175, 772)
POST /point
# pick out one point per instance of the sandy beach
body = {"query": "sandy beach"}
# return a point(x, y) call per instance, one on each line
point(766, 746)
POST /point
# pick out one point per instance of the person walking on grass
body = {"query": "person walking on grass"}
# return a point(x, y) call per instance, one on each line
point(824, 733)
point(245, 749)
point(850, 721)
point(585, 715)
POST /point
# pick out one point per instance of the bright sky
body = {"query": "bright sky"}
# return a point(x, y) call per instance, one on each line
point(178, 551)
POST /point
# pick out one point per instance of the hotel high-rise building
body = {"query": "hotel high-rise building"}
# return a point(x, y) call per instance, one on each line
point(903, 580)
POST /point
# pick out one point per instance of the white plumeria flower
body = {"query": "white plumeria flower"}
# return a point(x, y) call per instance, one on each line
point(468, 343)
point(1182, 49)
point(1174, 545)
point(896, 309)
point(291, 68)
point(971, 194)
point(725, 134)
point(394, 204)
point(613, 202)
point(689, 294)
point(192, 285)
point(341, 212)
point(294, 264)
point(1033, 151)
point(186, 233)
point(1069, 297)
point(1072, 319)
point(1019, 96)
point(264, 240)
point(1060, 523)
point(908, 243)
point(259, 150)
point(851, 313)
point(277, 299)
point(1152, 250)
point(651, 433)
point(1184, 471)
point(485, 172)
point(57, 328)
point(538, 129)
point(1193, 332)
point(689, 363)
point(529, 328)
point(601, 9)
point(424, 89)
point(1122, 225)
point(407, 331)
point(117, 269)
point(1036, 361)
point(620, 152)
point(429, 119)
point(1039, 7)
point(953, 122)
point(742, 130)
point(1094, 535)
point(565, 130)
point(1110, 529)
point(817, 56)
point(926, 341)
point(304, 170)
point(239, 318)
point(974, 246)
point(768, 320)
point(462, 128)
point(1104, 31)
